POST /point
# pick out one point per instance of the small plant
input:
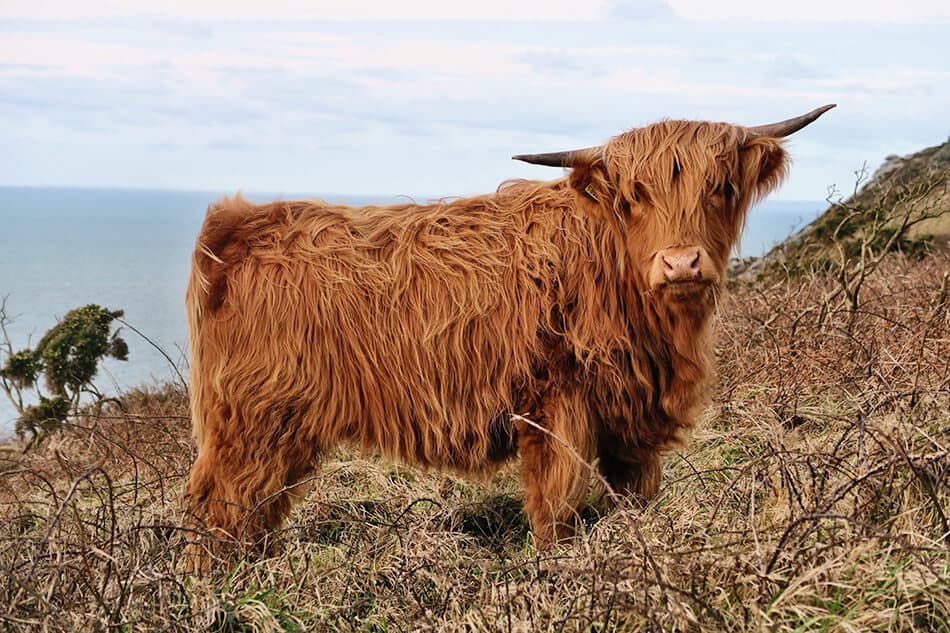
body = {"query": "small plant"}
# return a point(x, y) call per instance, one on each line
point(67, 357)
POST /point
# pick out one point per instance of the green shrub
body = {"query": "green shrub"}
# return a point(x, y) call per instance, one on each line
point(68, 358)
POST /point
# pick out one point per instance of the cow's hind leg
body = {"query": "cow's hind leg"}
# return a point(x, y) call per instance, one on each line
point(555, 469)
point(248, 473)
point(630, 471)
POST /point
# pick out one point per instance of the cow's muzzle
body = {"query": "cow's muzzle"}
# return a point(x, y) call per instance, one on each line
point(686, 265)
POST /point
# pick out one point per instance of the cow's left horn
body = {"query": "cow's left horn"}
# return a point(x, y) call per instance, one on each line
point(560, 159)
point(789, 126)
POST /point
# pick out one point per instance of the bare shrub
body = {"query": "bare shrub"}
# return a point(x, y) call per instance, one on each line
point(815, 496)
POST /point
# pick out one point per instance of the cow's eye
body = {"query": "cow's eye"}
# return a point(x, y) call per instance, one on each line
point(640, 194)
point(728, 191)
point(724, 189)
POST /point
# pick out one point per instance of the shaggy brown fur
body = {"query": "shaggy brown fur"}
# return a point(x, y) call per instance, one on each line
point(418, 330)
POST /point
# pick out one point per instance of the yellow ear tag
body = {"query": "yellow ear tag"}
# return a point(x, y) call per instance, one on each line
point(589, 190)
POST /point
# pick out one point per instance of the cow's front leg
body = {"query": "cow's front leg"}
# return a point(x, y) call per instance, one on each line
point(556, 450)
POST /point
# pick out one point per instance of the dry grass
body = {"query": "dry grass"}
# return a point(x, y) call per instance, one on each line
point(815, 496)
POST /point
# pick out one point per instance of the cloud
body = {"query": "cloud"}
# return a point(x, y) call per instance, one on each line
point(794, 67)
point(314, 10)
point(533, 11)
point(551, 60)
point(640, 9)
point(905, 11)
point(188, 101)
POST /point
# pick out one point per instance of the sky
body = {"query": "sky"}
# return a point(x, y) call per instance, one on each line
point(431, 98)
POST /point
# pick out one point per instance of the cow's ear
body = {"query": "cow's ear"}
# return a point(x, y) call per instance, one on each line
point(588, 178)
point(764, 164)
point(598, 195)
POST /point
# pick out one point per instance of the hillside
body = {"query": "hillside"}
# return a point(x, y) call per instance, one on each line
point(904, 206)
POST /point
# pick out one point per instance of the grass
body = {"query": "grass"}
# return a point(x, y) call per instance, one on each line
point(814, 496)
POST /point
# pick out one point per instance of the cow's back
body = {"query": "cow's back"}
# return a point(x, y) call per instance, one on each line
point(400, 328)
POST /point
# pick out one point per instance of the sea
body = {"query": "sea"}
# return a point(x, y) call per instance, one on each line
point(130, 249)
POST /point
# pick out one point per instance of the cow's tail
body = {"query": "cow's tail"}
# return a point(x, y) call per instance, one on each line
point(222, 244)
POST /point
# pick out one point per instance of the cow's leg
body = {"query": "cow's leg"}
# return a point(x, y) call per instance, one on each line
point(247, 475)
point(555, 468)
point(629, 471)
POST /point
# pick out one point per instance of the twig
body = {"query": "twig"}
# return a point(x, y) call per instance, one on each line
point(181, 378)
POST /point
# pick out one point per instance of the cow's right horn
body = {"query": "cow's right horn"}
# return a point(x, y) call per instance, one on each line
point(561, 159)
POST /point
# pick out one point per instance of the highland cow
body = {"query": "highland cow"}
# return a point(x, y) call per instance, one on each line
point(560, 321)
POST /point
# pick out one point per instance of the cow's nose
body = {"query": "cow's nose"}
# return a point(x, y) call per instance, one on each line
point(680, 264)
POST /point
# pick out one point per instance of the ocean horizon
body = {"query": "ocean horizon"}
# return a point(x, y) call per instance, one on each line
point(130, 249)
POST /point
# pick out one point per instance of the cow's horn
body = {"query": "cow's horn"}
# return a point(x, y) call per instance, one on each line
point(784, 128)
point(559, 159)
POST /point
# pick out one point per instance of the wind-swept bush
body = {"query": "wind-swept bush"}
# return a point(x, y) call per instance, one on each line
point(67, 358)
